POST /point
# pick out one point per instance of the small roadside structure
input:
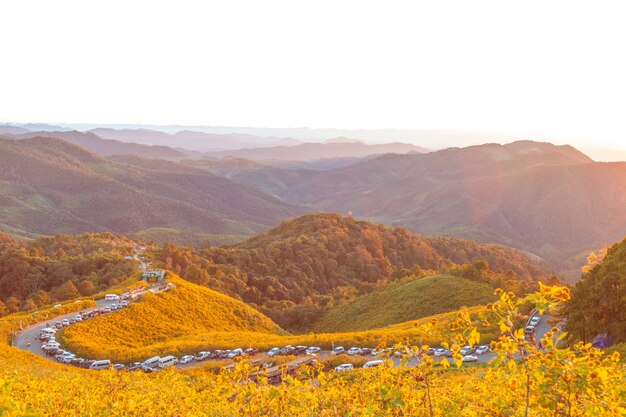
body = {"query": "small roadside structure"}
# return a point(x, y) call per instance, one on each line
point(153, 276)
point(602, 341)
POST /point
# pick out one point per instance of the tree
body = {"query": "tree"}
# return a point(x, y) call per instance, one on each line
point(67, 291)
point(86, 287)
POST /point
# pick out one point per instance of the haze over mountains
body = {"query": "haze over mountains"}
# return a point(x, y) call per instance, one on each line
point(551, 201)
point(48, 186)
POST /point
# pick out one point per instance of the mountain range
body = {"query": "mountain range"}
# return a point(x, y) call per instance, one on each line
point(551, 201)
point(49, 186)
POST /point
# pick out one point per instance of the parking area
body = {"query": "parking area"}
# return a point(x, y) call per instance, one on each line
point(40, 339)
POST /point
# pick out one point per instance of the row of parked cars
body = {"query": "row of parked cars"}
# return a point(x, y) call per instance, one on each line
point(51, 347)
point(532, 323)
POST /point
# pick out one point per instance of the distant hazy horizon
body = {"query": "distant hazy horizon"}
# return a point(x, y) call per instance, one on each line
point(547, 71)
point(430, 139)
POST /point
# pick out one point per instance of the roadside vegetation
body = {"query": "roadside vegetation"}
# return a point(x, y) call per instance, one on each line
point(576, 381)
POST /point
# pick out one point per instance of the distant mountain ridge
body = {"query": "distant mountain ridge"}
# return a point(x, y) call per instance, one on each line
point(549, 200)
point(109, 147)
point(49, 186)
point(316, 151)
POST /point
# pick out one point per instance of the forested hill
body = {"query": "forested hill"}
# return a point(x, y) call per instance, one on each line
point(598, 303)
point(315, 261)
point(48, 186)
point(51, 269)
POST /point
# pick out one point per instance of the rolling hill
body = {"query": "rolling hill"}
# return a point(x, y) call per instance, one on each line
point(109, 147)
point(315, 151)
point(307, 264)
point(183, 311)
point(405, 301)
point(552, 201)
point(49, 186)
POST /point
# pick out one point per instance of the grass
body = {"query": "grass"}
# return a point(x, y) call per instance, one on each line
point(185, 311)
point(402, 302)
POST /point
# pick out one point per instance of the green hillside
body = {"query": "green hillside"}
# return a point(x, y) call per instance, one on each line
point(598, 303)
point(406, 301)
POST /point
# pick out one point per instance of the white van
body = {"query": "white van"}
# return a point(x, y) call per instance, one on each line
point(152, 362)
point(111, 297)
point(104, 364)
point(168, 361)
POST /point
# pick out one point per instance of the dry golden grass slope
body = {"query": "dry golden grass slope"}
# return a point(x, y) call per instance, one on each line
point(186, 310)
point(190, 318)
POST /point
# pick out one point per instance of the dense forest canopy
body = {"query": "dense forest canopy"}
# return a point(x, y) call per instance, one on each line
point(50, 269)
point(313, 262)
point(598, 303)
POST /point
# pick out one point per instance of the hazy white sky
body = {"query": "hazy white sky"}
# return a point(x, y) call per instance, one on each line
point(549, 69)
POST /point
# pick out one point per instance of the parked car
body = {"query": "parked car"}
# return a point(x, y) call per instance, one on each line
point(186, 359)
point(167, 361)
point(344, 367)
point(287, 350)
point(250, 351)
point(365, 351)
point(98, 365)
point(152, 362)
point(86, 364)
point(338, 350)
point(467, 350)
point(353, 350)
point(431, 351)
point(273, 352)
point(67, 358)
point(372, 364)
point(65, 322)
point(135, 366)
point(118, 366)
point(481, 350)
point(441, 352)
point(376, 352)
point(202, 356)
point(235, 352)
point(148, 369)
point(313, 350)
point(299, 350)
point(470, 358)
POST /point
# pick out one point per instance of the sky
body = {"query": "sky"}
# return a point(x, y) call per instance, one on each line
point(548, 70)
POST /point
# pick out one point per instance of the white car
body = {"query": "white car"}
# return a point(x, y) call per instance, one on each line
point(534, 321)
point(467, 350)
point(354, 351)
point(338, 350)
point(344, 367)
point(235, 352)
point(313, 350)
point(470, 358)
point(481, 350)
point(372, 364)
point(273, 352)
point(202, 356)
point(440, 352)
point(186, 359)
